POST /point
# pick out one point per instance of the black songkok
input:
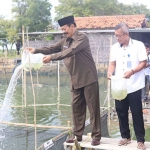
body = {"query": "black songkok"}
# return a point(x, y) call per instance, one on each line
point(66, 20)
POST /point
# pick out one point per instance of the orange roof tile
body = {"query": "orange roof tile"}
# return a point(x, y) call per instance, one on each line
point(103, 22)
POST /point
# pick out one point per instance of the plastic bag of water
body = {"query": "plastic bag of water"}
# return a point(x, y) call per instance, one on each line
point(118, 87)
point(33, 61)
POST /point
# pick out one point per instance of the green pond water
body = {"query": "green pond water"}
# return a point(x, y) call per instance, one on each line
point(46, 92)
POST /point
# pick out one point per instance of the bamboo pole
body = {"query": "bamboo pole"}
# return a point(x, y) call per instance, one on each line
point(38, 85)
point(70, 105)
point(38, 126)
point(38, 105)
point(108, 90)
point(4, 67)
point(58, 87)
point(70, 134)
point(64, 105)
point(21, 62)
point(31, 105)
point(24, 98)
point(108, 86)
point(33, 92)
point(24, 74)
point(69, 126)
point(76, 144)
point(37, 79)
point(24, 87)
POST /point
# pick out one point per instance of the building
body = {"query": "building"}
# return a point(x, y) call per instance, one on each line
point(100, 30)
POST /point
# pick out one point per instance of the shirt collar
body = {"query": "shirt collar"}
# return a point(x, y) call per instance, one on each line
point(130, 43)
point(74, 36)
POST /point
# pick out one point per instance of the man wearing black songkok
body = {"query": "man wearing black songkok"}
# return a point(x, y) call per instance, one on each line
point(75, 50)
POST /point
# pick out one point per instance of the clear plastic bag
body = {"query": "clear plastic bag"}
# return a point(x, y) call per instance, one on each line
point(118, 87)
point(30, 60)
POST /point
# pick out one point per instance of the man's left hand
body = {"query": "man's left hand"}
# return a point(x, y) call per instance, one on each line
point(128, 74)
point(46, 58)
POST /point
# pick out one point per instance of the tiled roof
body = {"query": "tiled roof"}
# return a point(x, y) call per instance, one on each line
point(105, 22)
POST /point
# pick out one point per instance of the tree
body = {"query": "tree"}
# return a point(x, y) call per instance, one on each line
point(140, 9)
point(32, 13)
point(7, 32)
point(87, 8)
point(2, 28)
point(81, 8)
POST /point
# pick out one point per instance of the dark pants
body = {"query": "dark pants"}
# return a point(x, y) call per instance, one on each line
point(133, 100)
point(18, 50)
point(88, 95)
point(145, 90)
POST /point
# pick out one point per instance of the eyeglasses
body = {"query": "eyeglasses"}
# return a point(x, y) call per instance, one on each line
point(119, 36)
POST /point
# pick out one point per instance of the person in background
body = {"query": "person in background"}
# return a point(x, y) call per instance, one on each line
point(18, 46)
point(74, 49)
point(127, 59)
point(145, 90)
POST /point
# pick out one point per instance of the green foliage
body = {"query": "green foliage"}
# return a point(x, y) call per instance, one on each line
point(3, 27)
point(7, 31)
point(32, 13)
point(49, 37)
point(81, 8)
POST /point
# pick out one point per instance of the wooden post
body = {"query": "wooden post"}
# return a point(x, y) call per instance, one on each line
point(38, 126)
point(24, 99)
point(69, 126)
point(4, 67)
point(58, 88)
point(89, 136)
point(33, 92)
point(70, 134)
point(108, 91)
point(76, 144)
point(37, 77)
point(24, 74)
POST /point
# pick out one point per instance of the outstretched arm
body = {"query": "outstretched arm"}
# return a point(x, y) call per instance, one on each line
point(79, 44)
point(55, 48)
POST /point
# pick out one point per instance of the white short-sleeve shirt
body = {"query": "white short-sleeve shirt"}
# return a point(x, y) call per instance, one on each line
point(128, 58)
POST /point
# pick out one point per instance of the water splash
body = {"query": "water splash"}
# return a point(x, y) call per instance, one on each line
point(28, 61)
point(9, 93)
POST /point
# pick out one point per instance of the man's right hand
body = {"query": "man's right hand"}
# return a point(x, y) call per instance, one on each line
point(31, 49)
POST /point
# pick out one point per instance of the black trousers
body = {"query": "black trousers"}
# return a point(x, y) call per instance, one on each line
point(87, 96)
point(133, 100)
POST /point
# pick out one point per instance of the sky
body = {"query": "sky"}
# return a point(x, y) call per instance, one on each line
point(6, 5)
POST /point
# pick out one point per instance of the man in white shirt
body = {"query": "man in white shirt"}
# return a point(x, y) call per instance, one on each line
point(127, 59)
point(145, 90)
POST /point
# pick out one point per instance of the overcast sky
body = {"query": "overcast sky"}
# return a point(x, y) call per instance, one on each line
point(5, 6)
